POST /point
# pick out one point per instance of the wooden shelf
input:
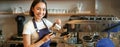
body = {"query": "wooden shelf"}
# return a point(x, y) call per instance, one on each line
point(70, 14)
point(11, 13)
point(50, 14)
point(32, 0)
point(6, 13)
point(62, 0)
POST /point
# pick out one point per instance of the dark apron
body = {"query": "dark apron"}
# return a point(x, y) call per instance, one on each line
point(42, 33)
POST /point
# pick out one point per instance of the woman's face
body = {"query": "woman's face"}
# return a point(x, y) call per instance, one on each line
point(39, 10)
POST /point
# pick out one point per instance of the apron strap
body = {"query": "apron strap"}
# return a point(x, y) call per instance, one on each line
point(44, 23)
point(35, 26)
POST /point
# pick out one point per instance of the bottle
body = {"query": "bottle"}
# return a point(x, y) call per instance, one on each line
point(1, 39)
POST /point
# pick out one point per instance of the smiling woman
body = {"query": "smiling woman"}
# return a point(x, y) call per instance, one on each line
point(36, 32)
point(39, 10)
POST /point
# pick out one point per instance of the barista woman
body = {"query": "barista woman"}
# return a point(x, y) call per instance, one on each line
point(36, 32)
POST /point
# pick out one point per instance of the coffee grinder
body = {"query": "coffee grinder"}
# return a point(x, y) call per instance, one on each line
point(20, 23)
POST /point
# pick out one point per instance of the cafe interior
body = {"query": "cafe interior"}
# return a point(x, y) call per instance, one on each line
point(85, 23)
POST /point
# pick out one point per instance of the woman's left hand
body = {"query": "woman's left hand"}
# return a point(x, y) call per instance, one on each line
point(58, 21)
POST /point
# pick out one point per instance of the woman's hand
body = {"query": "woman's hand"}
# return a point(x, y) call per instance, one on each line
point(57, 25)
point(58, 21)
point(48, 37)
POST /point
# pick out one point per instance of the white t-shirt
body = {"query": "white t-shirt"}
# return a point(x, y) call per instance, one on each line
point(29, 26)
point(30, 29)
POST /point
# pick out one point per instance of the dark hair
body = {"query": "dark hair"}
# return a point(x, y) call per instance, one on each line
point(33, 5)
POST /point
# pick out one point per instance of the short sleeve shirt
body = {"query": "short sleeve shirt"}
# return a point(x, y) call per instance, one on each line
point(30, 29)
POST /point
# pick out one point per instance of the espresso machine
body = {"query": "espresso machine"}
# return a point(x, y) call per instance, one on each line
point(89, 29)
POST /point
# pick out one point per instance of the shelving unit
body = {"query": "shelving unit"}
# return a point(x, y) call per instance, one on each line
point(50, 14)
